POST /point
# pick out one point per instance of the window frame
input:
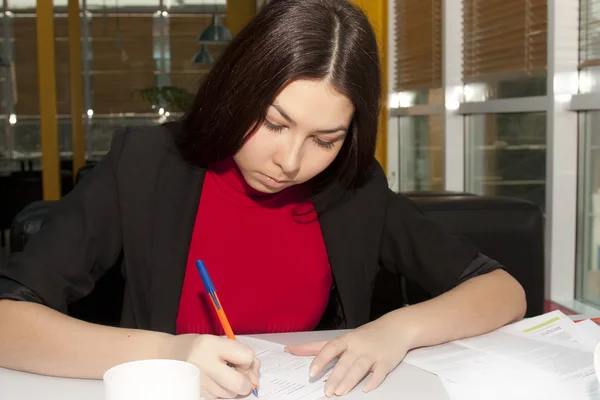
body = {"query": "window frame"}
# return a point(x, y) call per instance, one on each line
point(562, 103)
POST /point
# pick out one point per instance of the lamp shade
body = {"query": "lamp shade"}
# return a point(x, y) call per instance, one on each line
point(215, 32)
point(203, 56)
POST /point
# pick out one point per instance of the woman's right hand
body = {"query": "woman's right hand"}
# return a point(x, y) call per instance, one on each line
point(215, 356)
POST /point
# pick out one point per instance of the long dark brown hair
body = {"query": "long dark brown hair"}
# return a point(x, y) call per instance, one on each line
point(289, 40)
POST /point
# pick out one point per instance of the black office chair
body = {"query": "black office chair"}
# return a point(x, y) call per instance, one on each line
point(27, 222)
point(21, 188)
point(508, 230)
point(104, 304)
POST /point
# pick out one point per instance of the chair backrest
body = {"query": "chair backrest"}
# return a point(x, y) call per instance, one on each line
point(27, 222)
point(104, 304)
point(508, 230)
point(21, 188)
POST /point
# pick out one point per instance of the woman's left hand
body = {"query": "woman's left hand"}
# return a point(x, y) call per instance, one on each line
point(376, 347)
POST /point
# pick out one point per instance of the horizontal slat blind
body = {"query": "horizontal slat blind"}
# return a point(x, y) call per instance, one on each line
point(504, 38)
point(25, 48)
point(184, 30)
point(418, 44)
point(122, 63)
point(589, 35)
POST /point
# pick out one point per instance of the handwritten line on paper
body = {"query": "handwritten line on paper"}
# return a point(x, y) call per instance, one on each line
point(285, 376)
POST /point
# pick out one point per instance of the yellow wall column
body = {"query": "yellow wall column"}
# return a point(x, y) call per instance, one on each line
point(239, 12)
point(75, 77)
point(47, 94)
point(377, 11)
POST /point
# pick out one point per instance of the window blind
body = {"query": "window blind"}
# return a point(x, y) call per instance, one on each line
point(589, 33)
point(418, 44)
point(504, 39)
point(184, 30)
point(122, 62)
point(26, 67)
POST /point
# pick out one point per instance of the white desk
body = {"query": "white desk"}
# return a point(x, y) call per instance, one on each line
point(406, 382)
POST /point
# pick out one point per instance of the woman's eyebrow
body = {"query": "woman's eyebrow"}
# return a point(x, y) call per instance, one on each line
point(287, 117)
point(284, 114)
point(333, 130)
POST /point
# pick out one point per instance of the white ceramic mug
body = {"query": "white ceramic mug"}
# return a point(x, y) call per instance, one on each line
point(152, 380)
point(597, 361)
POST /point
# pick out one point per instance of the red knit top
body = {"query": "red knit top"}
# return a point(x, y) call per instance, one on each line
point(268, 264)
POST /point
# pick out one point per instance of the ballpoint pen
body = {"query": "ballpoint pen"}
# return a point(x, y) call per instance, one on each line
point(210, 289)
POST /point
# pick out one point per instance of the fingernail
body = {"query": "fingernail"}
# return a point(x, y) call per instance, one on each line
point(328, 392)
point(313, 371)
point(286, 349)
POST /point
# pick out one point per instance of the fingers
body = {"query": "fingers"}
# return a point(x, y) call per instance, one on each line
point(212, 390)
point(306, 349)
point(380, 372)
point(236, 353)
point(345, 377)
point(230, 379)
point(253, 371)
point(338, 373)
point(328, 353)
point(359, 369)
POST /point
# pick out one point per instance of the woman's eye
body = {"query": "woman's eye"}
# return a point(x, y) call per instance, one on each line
point(273, 127)
point(323, 143)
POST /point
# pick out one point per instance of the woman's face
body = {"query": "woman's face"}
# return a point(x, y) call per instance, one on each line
point(303, 132)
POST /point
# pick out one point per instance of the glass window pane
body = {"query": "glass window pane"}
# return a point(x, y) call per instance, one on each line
point(25, 59)
point(184, 30)
point(418, 61)
point(27, 138)
point(122, 62)
point(506, 155)
point(589, 48)
point(504, 48)
point(421, 153)
point(589, 237)
point(505, 88)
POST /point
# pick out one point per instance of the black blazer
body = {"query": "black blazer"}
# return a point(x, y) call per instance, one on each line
point(136, 210)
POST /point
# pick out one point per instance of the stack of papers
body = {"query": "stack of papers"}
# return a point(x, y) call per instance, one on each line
point(548, 356)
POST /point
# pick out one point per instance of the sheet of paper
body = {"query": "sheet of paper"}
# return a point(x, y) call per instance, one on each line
point(285, 376)
point(500, 358)
point(507, 390)
point(563, 361)
point(552, 326)
point(590, 329)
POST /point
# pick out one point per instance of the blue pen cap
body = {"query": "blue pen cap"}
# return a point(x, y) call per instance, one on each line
point(205, 277)
point(208, 285)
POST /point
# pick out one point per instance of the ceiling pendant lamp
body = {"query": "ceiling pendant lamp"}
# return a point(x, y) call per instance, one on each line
point(203, 57)
point(215, 32)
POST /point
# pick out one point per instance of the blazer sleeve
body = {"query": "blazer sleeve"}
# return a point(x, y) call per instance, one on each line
point(421, 250)
point(80, 240)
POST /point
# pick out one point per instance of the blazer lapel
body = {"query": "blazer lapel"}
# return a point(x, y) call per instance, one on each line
point(343, 237)
point(178, 196)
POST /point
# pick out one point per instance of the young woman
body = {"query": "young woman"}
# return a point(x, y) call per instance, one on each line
point(271, 180)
